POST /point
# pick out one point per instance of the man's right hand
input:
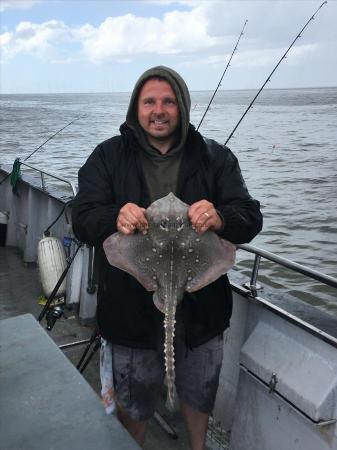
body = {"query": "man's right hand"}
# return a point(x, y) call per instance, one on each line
point(130, 218)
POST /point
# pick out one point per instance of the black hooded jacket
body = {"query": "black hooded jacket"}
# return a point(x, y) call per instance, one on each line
point(112, 177)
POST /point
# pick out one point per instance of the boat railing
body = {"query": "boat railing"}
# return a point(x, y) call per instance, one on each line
point(44, 173)
point(299, 268)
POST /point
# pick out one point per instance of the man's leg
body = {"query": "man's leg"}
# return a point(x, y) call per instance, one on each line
point(138, 377)
point(136, 428)
point(197, 381)
point(196, 423)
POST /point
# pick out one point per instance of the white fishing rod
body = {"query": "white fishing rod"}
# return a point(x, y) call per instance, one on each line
point(272, 72)
point(219, 84)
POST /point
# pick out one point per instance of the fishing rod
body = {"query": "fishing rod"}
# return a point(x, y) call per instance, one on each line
point(40, 146)
point(272, 72)
point(51, 137)
point(219, 84)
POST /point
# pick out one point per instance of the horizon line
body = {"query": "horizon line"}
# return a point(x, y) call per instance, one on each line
point(191, 90)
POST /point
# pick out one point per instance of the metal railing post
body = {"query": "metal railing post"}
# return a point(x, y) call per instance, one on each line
point(253, 286)
point(43, 182)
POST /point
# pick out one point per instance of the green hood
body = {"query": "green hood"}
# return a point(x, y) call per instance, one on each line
point(183, 97)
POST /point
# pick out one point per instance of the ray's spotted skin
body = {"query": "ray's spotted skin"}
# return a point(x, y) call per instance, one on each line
point(169, 259)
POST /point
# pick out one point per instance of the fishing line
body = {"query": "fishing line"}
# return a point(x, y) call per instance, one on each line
point(219, 84)
point(272, 72)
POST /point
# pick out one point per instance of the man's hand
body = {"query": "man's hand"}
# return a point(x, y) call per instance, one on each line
point(203, 217)
point(130, 218)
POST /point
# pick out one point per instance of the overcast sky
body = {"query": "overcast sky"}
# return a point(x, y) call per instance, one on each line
point(104, 45)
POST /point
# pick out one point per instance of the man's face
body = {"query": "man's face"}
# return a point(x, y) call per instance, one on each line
point(158, 112)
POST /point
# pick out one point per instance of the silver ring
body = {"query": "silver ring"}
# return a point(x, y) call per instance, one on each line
point(128, 225)
point(206, 214)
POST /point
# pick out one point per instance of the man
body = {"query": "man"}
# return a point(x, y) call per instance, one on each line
point(159, 152)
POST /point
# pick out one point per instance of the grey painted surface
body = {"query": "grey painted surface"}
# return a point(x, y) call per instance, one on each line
point(88, 303)
point(30, 213)
point(233, 340)
point(45, 403)
point(306, 369)
point(267, 422)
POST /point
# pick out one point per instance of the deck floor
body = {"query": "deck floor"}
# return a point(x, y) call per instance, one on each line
point(19, 292)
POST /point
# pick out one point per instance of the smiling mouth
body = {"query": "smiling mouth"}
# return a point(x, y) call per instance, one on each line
point(159, 122)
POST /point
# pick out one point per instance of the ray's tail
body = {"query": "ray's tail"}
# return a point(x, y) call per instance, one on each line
point(169, 325)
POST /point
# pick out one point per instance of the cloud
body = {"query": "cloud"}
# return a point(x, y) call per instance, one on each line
point(41, 40)
point(202, 31)
point(267, 57)
point(5, 39)
point(177, 32)
point(273, 23)
point(254, 58)
point(124, 36)
point(17, 4)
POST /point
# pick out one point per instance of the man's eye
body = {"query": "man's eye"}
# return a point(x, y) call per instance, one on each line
point(148, 101)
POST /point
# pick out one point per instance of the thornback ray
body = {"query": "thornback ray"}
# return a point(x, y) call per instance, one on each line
point(169, 259)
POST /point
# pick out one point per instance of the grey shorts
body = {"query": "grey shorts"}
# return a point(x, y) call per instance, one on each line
point(139, 375)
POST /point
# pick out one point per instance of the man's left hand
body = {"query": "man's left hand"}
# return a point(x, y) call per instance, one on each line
point(203, 217)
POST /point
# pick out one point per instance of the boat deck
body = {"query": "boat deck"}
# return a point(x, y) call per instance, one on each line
point(19, 292)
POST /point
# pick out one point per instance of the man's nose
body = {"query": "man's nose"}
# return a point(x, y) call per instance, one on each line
point(158, 108)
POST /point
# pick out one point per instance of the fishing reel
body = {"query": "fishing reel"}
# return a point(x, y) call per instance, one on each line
point(52, 315)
